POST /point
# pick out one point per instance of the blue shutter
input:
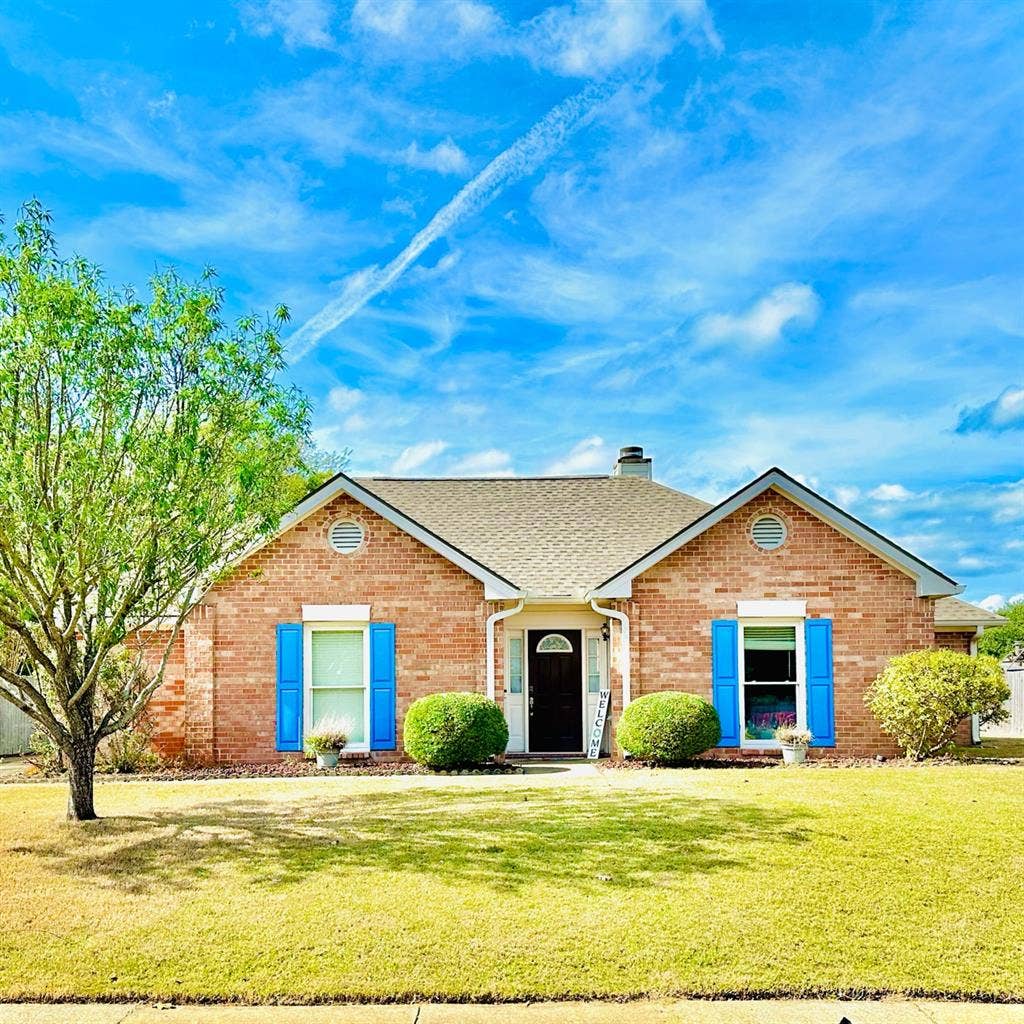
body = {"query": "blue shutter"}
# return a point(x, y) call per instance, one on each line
point(382, 686)
point(289, 686)
point(725, 678)
point(820, 698)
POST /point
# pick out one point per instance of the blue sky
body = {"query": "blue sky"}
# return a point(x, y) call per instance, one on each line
point(515, 237)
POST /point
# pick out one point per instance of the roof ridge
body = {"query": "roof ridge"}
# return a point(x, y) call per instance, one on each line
point(489, 479)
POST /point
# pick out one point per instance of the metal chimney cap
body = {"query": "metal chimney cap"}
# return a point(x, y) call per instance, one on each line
point(631, 451)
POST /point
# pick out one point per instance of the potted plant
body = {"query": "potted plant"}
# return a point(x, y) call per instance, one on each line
point(794, 742)
point(326, 739)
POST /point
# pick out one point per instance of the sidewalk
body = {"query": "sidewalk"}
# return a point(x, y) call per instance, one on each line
point(774, 1011)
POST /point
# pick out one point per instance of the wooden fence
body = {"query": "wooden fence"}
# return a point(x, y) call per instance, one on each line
point(15, 729)
point(1013, 669)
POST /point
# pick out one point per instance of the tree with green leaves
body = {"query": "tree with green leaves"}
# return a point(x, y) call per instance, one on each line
point(1001, 640)
point(146, 444)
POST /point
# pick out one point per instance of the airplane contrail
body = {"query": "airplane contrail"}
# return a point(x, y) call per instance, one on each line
point(519, 160)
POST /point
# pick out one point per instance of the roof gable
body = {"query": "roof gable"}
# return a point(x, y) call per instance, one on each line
point(930, 582)
point(495, 585)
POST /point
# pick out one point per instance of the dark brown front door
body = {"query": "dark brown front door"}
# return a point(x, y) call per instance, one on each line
point(556, 690)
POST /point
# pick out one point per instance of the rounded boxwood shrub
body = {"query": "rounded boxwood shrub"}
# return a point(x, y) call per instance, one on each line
point(454, 730)
point(668, 727)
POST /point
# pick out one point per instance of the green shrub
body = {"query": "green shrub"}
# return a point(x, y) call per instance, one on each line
point(454, 730)
point(921, 697)
point(127, 753)
point(44, 754)
point(668, 727)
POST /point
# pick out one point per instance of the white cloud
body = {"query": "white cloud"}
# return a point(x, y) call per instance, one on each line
point(429, 29)
point(468, 410)
point(972, 562)
point(891, 492)
point(258, 207)
point(1006, 412)
point(492, 462)
point(341, 398)
point(587, 39)
point(1008, 502)
point(765, 321)
point(416, 455)
point(1009, 408)
point(595, 37)
point(355, 424)
point(445, 158)
point(992, 603)
point(300, 23)
point(399, 205)
point(846, 495)
point(588, 456)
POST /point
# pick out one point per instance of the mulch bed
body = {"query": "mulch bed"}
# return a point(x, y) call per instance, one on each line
point(811, 762)
point(276, 770)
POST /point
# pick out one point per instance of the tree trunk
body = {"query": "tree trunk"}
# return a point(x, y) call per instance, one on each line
point(81, 762)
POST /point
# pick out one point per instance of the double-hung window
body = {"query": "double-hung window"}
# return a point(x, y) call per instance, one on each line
point(337, 674)
point(772, 691)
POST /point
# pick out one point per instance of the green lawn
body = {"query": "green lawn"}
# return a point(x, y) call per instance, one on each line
point(800, 881)
point(994, 746)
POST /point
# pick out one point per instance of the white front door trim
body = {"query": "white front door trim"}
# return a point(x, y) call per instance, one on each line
point(587, 622)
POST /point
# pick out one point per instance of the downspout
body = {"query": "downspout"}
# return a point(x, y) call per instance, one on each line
point(502, 613)
point(623, 620)
point(975, 720)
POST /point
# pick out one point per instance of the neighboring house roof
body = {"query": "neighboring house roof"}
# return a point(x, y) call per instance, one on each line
point(951, 612)
point(552, 536)
point(930, 582)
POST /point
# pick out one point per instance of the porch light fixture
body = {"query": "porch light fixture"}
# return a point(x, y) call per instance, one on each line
point(606, 631)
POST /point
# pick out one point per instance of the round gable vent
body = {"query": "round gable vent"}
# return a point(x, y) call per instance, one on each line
point(345, 536)
point(769, 532)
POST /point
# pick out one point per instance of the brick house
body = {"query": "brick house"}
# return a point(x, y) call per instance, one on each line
point(544, 593)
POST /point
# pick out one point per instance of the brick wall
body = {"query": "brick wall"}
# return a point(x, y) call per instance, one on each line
point(874, 608)
point(230, 640)
point(166, 709)
point(955, 641)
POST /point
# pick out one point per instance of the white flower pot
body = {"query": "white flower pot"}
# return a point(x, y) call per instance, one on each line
point(794, 755)
point(328, 760)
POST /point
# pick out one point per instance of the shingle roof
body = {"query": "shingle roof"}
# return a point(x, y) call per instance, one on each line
point(551, 536)
point(951, 611)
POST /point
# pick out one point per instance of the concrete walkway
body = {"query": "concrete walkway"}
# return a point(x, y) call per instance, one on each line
point(696, 1011)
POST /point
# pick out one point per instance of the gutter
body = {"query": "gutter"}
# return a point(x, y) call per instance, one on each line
point(623, 619)
point(502, 613)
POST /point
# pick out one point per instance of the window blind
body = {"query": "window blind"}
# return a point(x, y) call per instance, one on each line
point(769, 638)
point(337, 657)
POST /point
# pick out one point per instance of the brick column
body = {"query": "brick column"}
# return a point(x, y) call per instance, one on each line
point(199, 638)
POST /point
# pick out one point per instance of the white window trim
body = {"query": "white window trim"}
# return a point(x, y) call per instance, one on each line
point(801, 674)
point(349, 613)
point(771, 609)
point(560, 650)
point(332, 625)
